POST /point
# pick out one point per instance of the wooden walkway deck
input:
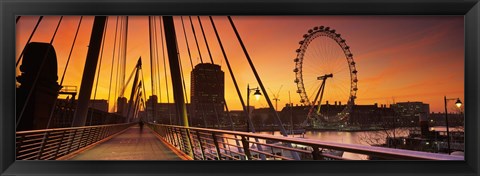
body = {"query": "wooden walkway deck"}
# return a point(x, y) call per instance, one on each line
point(132, 144)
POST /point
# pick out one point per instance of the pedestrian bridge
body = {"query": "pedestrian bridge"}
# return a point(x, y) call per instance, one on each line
point(167, 142)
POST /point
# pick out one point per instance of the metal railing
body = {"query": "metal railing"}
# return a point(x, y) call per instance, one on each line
point(50, 144)
point(213, 144)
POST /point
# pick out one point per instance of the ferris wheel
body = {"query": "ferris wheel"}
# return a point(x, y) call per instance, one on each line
point(325, 75)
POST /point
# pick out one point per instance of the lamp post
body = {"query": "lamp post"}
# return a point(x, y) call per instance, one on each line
point(257, 97)
point(458, 103)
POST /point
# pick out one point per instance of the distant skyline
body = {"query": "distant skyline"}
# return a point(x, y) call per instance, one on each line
point(398, 58)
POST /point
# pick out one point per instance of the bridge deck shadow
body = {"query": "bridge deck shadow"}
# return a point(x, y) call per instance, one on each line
point(133, 144)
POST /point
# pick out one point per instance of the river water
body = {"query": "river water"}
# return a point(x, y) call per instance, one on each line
point(356, 137)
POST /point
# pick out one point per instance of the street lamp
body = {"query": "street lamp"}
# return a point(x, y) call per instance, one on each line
point(458, 103)
point(257, 95)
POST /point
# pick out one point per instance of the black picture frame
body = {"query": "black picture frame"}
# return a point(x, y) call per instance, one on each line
point(470, 9)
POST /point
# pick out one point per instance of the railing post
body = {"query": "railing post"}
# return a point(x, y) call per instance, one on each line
point(201, 146)
point(99, 134)
point(192, 151)
point(73, 139)
point(316, 153)
point(81, 139)
point(177, 138)
point(59, 145)
point(104, 132)
point(246, 148)
point(18, 146)
point(215, 142)
point(163, 132)
point(44, 140)
point(172, 136)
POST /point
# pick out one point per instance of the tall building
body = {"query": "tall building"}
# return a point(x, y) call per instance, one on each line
point(101, 105)
point(416, 112)
point(162, 113)
point(207, 94)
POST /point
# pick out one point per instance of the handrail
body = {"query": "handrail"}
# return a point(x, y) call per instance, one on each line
point(50, 144)
point(314, 149)
point(69, 128)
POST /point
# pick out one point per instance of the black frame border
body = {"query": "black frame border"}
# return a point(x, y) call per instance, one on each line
point(470, 9)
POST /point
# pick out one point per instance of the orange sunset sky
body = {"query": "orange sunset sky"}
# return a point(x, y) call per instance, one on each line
point(398, 58)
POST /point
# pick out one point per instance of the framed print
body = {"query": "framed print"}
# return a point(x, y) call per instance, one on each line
point(235, 88)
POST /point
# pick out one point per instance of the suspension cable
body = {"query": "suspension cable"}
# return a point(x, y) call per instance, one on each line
point(205, 38)
point(56, 30)
point(37, 76)
point(256, 75)
point(272, 110)
point(71, 50)
point(231, 73)
point(113, 59)
point(196, 41)
point(29, 39)
point(117, 77)
point(64, 71)
point(186, 41)
point(181, 72)
point(159, 76)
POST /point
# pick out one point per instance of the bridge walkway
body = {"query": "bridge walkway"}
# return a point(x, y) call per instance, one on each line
point(132, 144)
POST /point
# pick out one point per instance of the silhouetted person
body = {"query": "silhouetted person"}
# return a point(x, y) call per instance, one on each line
point(140, 123)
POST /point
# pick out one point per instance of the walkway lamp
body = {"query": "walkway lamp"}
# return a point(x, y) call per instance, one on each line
point(458, 103)
point(257, 95)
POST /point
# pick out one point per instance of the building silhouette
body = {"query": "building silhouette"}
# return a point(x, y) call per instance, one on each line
point(207, 95)
point(38, 89)
point(162, 113)
point(415, 112)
